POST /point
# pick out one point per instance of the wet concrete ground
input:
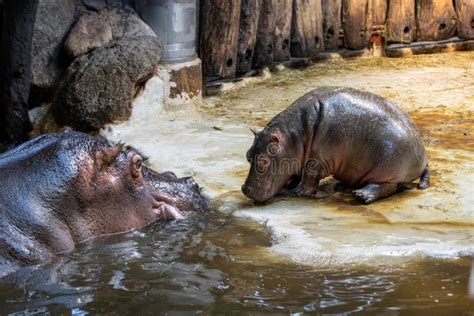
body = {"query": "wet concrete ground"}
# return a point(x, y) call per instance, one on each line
point(437, 91)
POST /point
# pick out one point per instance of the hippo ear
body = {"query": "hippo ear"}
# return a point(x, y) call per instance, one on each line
point(105, 157)
point(255, 130)
point(136, 166)
point(275, 138)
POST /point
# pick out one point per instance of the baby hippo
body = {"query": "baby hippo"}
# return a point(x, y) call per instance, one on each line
point(363, 140)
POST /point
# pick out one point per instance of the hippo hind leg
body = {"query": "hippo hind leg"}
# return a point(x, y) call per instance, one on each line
point(424, 179)
point(374, 191)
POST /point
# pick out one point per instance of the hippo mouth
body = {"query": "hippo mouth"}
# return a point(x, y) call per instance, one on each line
point(163, 206)
point(261, 198)
point(181, 194)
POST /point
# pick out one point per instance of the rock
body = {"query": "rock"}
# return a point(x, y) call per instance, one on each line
point(98, 29)
point(98, 88)
point(53, 22)
point(125, 24)
point(120, 4)
point(87, 34)
point(96, 5)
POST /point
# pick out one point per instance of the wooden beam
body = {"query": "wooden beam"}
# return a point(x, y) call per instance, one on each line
point(354, 21)
point(307, 38)
point(465, 12)
point(436, 20)
point(282, 34)
point(264, 49)
point(376, 12)
point(401, 21)
point(249, 15)
point(332, 23)
point(218, 37)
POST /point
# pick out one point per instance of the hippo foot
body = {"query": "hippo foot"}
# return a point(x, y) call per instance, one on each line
point(424, 180)
point(301, 191)
point(374, 191)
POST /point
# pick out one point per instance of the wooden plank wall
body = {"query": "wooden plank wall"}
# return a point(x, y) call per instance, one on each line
point(465, 12)
point(436, 20)
point(237, 36)
point(249, 16)
point(401, 21)
point(282, 32)
point(218, 37)
point(307, 28)
point(332, 23)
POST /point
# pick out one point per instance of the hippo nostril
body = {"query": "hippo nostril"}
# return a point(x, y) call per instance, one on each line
point(190, 181)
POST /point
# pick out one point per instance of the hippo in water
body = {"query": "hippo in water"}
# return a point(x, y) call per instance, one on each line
point(61, 189)
point(361, 139)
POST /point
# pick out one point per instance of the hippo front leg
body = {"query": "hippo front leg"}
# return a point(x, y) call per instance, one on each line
point(374, 191)
point(310, 178)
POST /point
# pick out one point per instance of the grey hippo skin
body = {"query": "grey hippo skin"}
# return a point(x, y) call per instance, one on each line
point(363, 140)
point(61, 189)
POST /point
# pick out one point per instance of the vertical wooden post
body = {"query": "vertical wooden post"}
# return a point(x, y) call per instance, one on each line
point(376, 12)
point(307, 38)
point(218, 38)
point(264, 49)
point(354, 21)
point(436, 20)
point(401, 22)
point(331, 22)
point(282, 34)
point(465, 11)
point(249, 15)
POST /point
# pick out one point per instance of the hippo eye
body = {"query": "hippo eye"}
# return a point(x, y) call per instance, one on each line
point(137, 160)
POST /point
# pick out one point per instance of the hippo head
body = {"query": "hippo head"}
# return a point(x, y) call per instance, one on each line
point(272, 164)
point(114, 194)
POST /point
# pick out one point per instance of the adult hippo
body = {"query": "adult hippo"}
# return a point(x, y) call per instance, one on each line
point(61, 189)
point(361, 139)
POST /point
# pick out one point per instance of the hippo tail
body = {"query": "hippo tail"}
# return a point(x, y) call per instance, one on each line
point(424, 179)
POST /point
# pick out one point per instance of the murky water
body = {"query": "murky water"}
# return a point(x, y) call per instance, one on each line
point(409, 253)
point(222, 266)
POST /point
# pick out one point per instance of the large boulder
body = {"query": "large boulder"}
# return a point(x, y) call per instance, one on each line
point(53, 21)
point(96, 29)
point(98, 88)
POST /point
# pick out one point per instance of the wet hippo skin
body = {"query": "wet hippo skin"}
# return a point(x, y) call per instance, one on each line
point(361, 139)
point(61, 189)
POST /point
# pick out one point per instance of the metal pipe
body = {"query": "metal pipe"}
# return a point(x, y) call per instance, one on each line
point(175, 24)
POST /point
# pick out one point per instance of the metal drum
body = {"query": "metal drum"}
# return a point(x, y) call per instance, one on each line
point(175, 23)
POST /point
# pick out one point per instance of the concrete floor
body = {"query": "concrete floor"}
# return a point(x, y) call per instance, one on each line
point(437, 91)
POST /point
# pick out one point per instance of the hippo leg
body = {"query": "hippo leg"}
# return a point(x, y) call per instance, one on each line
point(424, 179)
point(374, 191)
point(309, 184)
